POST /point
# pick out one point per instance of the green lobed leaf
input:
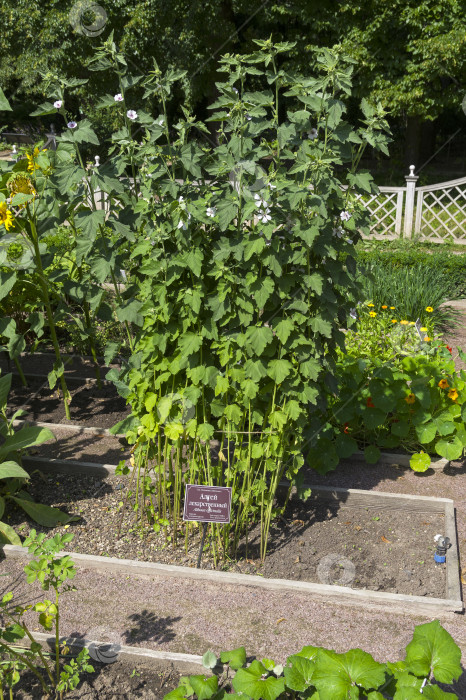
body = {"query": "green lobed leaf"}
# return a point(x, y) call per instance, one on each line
point(236, 658)
point(335, 675)
point(433, 650)
point(255, 682)
point(420, 462)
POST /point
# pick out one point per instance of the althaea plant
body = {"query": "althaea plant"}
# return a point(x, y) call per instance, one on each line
point(241, 252)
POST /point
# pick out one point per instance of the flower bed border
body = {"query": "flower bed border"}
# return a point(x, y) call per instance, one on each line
point(340, 594)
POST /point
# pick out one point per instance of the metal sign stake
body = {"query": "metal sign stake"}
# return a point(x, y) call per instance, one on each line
point(201, 549)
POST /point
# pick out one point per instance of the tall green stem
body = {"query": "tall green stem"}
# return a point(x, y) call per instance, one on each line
point(49, 312)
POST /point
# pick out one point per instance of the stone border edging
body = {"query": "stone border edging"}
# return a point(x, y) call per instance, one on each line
point(184, 662)
point(390, 458)
point(338, 594)
point(18, 423)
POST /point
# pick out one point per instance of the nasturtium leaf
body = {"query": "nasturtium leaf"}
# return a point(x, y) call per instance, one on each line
point(298, 676)
point(336, 674)
point(176, 694)
point(372, 454)
point(345, 445)
point(209, 660)
point(308, 651)
point(255, 682)
point(401, 428)
point(433, 650)
point(449, 449)
point(420, 461)
point(236, 658)
point(203, 686)
point(426, 433)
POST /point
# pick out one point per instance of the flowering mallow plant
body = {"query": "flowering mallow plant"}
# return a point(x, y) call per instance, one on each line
point(239, 287)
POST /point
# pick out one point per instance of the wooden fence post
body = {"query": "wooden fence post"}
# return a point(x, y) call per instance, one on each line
point(411, 180)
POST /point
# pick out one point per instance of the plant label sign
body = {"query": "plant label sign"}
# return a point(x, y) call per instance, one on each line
point(207, 504)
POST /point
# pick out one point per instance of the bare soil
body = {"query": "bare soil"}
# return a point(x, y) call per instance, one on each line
point(90, 406)
point(382, 551)
point(109, 681)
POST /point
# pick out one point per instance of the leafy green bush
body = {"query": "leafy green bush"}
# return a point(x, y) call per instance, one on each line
point(316, 673)
point(417, 404)
point(53, 573)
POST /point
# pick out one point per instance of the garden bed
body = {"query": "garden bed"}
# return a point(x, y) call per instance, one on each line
point(90, 406)
point(390, 546)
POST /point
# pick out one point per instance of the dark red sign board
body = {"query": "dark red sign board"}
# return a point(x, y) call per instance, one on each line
point(207, 504)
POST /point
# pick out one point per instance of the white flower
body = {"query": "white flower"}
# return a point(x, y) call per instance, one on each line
point(312, 134)
point(180, 199)
point(182, 224)
point(131, 114)
point(72, 125)
point(235, 90)
point(345, 215)
point(58, 104)
point(264, 215)
point(211, 211)
point(160, 121)
point(118, 97)
point(260, 202)
point(338, 232)
point(353, 314)
point(272, 187)
point(248, 117)
point(348, 240)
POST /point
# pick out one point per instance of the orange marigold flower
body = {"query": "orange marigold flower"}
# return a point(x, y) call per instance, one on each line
point(394, 320)
point(443, 384)
point(427, 339)
point(404, 323)
point(410, 398)
point(453, 394)
point(384, 306)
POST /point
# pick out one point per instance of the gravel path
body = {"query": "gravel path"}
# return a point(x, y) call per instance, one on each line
point(191, 617)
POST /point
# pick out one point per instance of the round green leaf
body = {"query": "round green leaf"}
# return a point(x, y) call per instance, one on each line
point(450, 449)
point(419, 462)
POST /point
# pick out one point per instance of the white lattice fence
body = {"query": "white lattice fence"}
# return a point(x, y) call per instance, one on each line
point(386, 209)
point(441, 212)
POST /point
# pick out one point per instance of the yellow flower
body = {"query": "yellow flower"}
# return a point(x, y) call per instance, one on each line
point(443, 384)
point(372, 313)
point(371, 304)
point(427, 339)
point(31, 157)
point(453, 394)
point(423, 329)
point(20, 183)
point(429, 309)
point(384, 306)
point(410, 398)
point(392, 307)
point(412, 323)
point(394, 320)
point(404, 323)
point(6, 217)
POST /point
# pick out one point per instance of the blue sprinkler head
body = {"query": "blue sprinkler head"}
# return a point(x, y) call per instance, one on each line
point(443, 543)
